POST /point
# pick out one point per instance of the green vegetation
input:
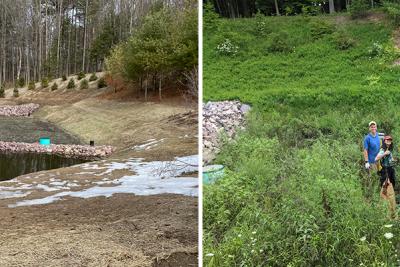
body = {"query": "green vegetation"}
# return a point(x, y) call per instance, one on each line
point(64, 77)
point(294, 192)
point(45, 83)
point(162, 47)
point(21, 82)
point(15, 92)
point(84, 84)
point(71, 84)
point(93, 77)
point(31, 85)
point(2, 91)
point(101, 83)
point(80, 76)
point(54, 87)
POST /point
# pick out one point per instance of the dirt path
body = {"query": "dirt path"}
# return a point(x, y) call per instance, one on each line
point(115, 225)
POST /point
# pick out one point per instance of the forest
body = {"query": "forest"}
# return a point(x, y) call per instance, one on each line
point(44, 39)
point(248, 8)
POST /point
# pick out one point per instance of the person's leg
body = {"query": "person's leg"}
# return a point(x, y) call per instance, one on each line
point(392, 178)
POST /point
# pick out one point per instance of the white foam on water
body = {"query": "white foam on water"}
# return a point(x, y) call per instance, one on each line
point(150, 178)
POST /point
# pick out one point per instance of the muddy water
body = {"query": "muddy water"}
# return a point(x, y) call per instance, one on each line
point(29, 130)
point(13, 165)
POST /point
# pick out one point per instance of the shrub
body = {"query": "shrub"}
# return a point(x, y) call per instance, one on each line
point(81, 75)
point(102, 83)
point(21, 82)
point(84, 84)
point(359, 8)
point(320, 28)
point(31, 85)
point(71, 84)
point(2, 91)
point(93, 77)
point(261, 27)
point(227, 48)
point(45, 83)
point(64, 77)
point(16, 92)
point(344, 41)
point(376, 50)
point(279, 43)
point(54, 87)
point(393, 10)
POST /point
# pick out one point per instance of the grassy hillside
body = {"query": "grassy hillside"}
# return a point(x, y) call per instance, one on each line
point(312, 61)
point(295, 192)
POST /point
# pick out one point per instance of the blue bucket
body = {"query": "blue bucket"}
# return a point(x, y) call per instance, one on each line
point(44, 141)
point(211, 173)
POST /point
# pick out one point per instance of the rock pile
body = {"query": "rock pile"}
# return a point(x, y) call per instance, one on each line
point(68, 151)
point(24, 110)
point(223, 117)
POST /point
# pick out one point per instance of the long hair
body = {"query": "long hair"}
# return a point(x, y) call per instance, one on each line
point(384, 146)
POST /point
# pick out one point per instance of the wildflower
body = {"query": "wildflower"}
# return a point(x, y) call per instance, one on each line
point(209, 254)
point(388, 225)
point(230, 256)
point(388, 235)
point(254, 232)
point(261, 251)
point(252, 251)
point(362, 239)
point(239, 235)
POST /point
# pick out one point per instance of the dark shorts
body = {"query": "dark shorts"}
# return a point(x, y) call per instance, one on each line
point(388, 172)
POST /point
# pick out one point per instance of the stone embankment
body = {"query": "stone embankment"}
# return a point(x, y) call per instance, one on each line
point(221, 118)
point(68, 151)
point(24, 110)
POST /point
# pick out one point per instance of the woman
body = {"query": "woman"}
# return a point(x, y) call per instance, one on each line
point(385, 156)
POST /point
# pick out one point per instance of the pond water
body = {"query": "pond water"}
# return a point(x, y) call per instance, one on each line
point(15, 164)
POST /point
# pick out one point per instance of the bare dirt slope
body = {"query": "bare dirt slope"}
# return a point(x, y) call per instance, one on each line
point(118, 230)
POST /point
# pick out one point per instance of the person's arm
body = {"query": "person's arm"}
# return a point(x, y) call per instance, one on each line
point(380, 155)
point(365, 155)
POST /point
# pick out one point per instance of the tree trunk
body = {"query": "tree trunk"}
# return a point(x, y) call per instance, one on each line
point(331, 7)
point(277, 8)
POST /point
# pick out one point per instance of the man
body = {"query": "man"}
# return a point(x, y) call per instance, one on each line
point(372, 145)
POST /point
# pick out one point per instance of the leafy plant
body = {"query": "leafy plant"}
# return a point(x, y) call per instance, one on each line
point(344, 41)
point(359, 8)
point(320, 28)
point(279, 43)
point(227, 48)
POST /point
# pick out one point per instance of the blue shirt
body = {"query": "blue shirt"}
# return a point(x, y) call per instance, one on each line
point(372, 145)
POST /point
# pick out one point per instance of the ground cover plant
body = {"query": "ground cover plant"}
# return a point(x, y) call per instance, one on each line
point(294, 192)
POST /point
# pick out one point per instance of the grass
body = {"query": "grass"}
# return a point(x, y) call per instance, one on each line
point(295, 193)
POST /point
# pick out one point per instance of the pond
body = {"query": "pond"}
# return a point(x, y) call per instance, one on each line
point(16, 164)
point(30, 130)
